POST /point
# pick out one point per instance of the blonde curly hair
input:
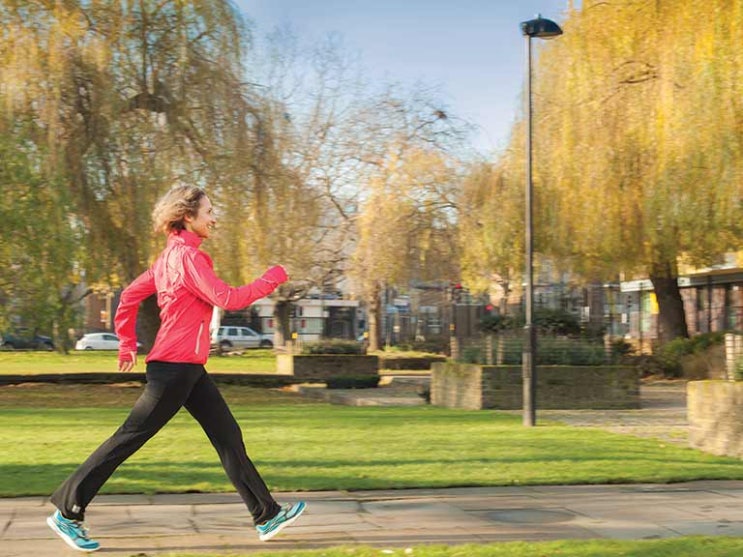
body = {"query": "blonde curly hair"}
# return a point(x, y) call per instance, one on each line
point(172, 208)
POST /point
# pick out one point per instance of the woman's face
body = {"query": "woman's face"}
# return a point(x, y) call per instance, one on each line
point(203, 221)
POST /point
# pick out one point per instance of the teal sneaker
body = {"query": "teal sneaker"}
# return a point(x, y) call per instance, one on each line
point(73, 532)
point(287, 515)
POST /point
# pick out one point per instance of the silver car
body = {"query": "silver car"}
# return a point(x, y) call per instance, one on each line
point(98, 341)
point(230, 337)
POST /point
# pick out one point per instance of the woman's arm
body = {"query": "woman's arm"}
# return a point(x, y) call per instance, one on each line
point(201, 279)
point(125, 322)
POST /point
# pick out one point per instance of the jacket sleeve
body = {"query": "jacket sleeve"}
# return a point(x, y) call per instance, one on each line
point(202, 281)
point(126, 314)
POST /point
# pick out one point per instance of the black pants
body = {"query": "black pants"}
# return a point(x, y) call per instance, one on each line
point(170, 386)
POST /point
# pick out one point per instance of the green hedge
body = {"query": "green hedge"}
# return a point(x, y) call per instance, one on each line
point(333, 346)
point(550, 351)
point(668, 356)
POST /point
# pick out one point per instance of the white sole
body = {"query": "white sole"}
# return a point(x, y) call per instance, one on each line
point(274, 533)
point(66, 538)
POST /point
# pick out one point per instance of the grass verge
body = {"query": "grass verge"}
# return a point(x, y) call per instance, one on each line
point(36, 363)
point(695, 546)
point(298, 445)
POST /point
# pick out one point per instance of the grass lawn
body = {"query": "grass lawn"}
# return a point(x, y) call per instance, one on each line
point(14, 362)
point(33, 363)
point(676, 547)
point(47, 430)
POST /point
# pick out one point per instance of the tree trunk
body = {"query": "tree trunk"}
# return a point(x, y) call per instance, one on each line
point(374, 311)
point(671, 316)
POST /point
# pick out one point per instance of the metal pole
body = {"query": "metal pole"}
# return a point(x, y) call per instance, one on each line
point(529, 371)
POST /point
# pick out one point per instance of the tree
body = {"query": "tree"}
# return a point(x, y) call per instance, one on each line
point(637, 140)
point(123, 99)
point(39, 282)
point(302, 181)
point(327, 135)
point(406, 225)
point(491, 227)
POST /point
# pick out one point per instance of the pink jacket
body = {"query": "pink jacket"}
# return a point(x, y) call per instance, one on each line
point(187, 289)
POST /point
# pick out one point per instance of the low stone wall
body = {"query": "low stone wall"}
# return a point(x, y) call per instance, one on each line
point(416, 363)
point(323, 367)
point(715, 415)
point(475, 387)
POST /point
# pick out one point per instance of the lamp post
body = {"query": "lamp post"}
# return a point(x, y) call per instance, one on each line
point(541, 29)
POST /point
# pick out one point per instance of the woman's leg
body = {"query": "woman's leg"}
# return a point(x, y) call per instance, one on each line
point(207, 405)
point(168, 386)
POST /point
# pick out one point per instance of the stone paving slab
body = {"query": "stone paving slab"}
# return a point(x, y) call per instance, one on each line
point(156, 525)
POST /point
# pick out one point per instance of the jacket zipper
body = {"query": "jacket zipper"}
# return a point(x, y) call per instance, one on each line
point(198, 338)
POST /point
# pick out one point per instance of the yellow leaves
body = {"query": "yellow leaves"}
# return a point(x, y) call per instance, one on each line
point(19, 71)
point(491, 225)
point(404, 222)
point(637, 133)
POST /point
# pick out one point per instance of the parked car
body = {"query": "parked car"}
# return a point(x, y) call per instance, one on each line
point(22, 339)
point(229, 337)
point(98, 341)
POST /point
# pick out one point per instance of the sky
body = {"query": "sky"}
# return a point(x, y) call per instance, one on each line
point(472, 51)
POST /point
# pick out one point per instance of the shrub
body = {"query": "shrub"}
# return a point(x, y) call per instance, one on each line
point(472, 355)
point(556, 322)
point(551, 350)
point(432, 345)
point(621, 349)
point(570, 352)
point(647, 365)
point(669, 355)
point(333, 346)
point(497, 322)
point(547, 321)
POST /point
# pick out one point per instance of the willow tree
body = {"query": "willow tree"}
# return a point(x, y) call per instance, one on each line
point(491, 228)
point(126, 98)
point(637, 138)
point(406, 224)
point(40, 282)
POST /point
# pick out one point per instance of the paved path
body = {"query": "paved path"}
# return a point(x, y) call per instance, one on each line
point(662, 414)
point(148, 526)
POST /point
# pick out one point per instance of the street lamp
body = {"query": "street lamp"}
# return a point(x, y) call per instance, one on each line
point(541, 29)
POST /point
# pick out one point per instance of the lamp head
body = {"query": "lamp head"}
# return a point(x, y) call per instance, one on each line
point(540, 28)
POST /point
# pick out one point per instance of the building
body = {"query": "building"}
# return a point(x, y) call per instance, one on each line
point(712, 296)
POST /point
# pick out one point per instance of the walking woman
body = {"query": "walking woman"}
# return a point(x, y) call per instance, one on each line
point(187, 290)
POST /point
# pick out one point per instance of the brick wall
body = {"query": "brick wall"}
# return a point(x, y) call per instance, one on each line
point(475, 387)
point(319, 367)
point(409, 363)
point(715, 414)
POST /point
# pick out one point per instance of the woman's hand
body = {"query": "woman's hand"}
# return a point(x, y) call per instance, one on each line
point(276, 275)
point(127, 365)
